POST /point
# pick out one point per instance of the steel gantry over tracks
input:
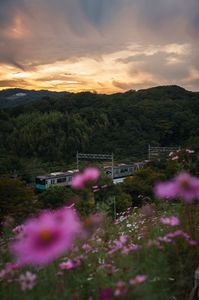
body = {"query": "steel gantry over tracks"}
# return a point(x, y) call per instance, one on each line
point(156, 152)
point(103, 157)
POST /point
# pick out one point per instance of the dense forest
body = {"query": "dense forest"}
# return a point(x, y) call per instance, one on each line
point(52, 129)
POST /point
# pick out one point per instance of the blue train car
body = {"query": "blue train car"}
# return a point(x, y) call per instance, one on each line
point(54, 179)
point(123, 170)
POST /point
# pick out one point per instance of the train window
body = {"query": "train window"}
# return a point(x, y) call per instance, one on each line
point(52, 181)
point(60, 180)
point(40, 181)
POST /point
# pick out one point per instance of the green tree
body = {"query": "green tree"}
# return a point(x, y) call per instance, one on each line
point(85, 203)
point(141, 184)
point(55, 197)
point(16, 200)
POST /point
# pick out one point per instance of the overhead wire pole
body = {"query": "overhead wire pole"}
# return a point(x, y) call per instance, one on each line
point(149, 152)
point(112, 160)
point(114, 202)
point(77, 158)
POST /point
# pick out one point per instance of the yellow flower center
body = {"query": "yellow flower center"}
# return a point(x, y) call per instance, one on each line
point(185, 184)
point(45, 235)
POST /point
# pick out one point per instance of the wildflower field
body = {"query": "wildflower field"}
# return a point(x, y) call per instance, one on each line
point(149, 251)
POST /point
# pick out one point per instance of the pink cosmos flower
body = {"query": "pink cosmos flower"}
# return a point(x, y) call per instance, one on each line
point(96, 190)
point(27, 281)
point(121, 289)
point(175, 157)
point(123, 239)
point(47, 237)
point(68, 265)
point(3, 274)
point(94, 187)
point(104, 186)
point(71, 264)
point(172, 221)
point(91, 174)
point(79, 180)
point(168, 238)
point(165, 239)
point(192, 242)
point(9, 267)
point(184, 186)
point(18, 229)
point(87, 247)
point(189, 151)
point(106, 294)
point(138, 279)
point(9, 271)
point(130, 248)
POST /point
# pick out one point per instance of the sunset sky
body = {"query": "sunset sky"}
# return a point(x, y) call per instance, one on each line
point(99, 45)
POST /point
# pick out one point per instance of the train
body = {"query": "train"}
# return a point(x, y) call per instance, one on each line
point(54, 179)
point(123, 170)
point(120, 172)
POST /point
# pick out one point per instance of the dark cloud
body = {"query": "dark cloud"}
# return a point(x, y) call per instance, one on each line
point(63, 29)
point(13, 83)
point(8, 10)
point(125, 86)
point(163, 65)
point(100, 11)
point(35, 32)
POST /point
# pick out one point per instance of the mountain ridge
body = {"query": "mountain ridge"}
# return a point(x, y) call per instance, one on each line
point(16, 96)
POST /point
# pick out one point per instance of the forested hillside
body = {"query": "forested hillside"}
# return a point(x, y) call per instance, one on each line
point(14, 97)
point(54, 129)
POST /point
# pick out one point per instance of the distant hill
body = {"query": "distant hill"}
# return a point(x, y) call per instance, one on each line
point(17, 96)
point(13, 97)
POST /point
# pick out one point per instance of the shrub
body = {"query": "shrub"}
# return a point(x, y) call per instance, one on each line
point(16, 200)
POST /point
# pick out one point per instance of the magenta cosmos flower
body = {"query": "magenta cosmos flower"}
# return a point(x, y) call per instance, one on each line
point(79, 180)
point(106, 294)
point(47, 237)
point(184, 186)
point(171, 221)
point(138, 279)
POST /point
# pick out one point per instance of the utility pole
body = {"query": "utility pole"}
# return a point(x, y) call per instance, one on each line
point(77, 157)
point(115, 211)
point(149, 152)
point(114, 200)
point(112, 166)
